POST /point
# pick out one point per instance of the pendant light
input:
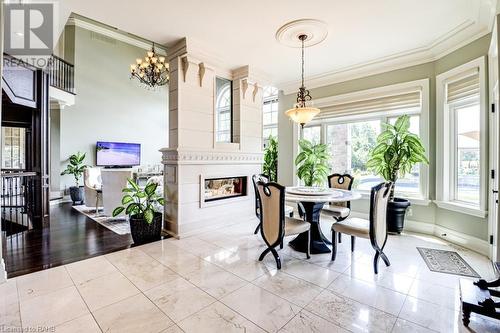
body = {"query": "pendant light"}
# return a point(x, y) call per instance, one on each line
point(303, 112)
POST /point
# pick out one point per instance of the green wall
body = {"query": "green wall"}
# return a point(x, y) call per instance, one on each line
point(109, 105)
point(467, 224)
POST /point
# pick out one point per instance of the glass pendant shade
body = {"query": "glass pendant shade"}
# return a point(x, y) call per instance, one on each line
point(302, 115)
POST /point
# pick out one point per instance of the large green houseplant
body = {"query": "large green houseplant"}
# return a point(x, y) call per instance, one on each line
point(76, 168)
point(312, 163)
point(395, 154)
point(270, 167)
point(141, 206)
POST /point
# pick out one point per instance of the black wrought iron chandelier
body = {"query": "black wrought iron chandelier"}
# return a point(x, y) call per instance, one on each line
point(152, 71)
point(303, 112)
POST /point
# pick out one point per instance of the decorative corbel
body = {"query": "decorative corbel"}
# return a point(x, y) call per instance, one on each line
point(185, 66)
point(255, 91)
point(244, 87)
point(201, 72)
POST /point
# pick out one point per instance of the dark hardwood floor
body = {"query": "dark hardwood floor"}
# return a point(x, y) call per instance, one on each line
point(71, 237)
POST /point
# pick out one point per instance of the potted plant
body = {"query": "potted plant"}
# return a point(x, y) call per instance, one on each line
point(312, 163)
point(270, 167)
point(76, 168)
point(396, 152)
point(141, 206)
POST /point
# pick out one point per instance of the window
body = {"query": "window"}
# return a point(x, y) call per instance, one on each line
point(270, 113)
point(350, 124)
point(467, 153)
point(350, 145)
point(461, 159)
point(312, 134)
point(223, 107)
point(14, 146)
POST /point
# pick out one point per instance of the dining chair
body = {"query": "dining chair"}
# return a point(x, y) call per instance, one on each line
point(339, 211)
point(263, 178)
point(374, 229)
point(275, 225)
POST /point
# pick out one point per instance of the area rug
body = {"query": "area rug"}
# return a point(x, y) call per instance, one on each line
point(118, 225)
point(449, 262)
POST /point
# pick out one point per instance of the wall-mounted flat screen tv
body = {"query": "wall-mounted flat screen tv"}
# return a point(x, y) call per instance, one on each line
point(118, 154)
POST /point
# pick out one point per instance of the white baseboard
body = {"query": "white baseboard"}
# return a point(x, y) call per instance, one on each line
point(452, 236)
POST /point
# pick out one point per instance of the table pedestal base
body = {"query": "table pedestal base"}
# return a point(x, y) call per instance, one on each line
point(318, 240)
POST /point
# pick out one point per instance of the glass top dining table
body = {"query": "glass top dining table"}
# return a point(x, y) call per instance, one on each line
point(312, 199)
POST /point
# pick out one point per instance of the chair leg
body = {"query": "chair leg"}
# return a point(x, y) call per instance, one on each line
point(277, 258)
point(308, 254)
point(257, 229)
point(375, 262)
point(353, 243)
point(281, 244)
point(334, 245)
point(385, 259)
point(263, 254)
point(340, 237)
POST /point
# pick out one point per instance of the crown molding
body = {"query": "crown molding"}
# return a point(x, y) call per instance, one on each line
point(115, 34)
point(439, 48)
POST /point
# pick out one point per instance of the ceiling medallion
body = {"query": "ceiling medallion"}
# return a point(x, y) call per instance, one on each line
point(315, 30)
point(152, 71)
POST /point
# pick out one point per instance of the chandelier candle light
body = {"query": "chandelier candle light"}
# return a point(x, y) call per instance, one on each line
point(152, 71)
point(303, 112)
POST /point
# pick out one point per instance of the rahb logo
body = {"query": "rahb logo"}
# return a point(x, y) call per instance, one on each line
point(28, 29)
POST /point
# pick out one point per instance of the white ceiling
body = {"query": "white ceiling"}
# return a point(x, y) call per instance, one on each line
point(363, 34)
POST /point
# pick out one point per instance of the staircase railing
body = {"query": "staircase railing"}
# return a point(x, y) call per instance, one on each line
point(61, 74)
point(17, 200)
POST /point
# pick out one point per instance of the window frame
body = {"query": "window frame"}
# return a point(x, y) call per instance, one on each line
point(446, 145)
point(421, 198)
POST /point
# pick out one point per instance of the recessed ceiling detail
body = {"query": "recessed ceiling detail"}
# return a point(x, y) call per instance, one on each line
point(315, 30)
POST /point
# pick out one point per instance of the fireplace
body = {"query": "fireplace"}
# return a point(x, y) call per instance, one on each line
point(220, 188)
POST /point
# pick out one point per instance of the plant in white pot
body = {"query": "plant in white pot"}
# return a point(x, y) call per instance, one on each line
point(141, 206)
point(396, 153)
point(76, 168)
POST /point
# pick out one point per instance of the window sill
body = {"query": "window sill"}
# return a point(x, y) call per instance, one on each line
point(417, 201)
point(461, 208)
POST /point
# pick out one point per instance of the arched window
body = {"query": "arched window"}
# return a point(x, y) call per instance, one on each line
point(223, 108)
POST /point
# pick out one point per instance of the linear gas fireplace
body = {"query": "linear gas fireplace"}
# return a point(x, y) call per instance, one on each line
point(220, 188)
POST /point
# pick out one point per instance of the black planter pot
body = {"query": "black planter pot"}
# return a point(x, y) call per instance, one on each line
point(77, 194)
point(396, 211)
point(142, 232)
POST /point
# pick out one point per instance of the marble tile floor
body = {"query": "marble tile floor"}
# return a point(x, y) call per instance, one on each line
point(213, 282)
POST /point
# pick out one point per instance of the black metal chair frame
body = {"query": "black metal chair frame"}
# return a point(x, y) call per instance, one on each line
point(379, 250)
point(279, 241)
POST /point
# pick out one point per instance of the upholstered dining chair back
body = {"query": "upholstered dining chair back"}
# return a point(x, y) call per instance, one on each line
point(271, 198)
point(255, 180)
point(379, 199)
point(342, 182)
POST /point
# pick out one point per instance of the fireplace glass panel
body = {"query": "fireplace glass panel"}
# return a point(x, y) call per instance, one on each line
point(224, 188)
